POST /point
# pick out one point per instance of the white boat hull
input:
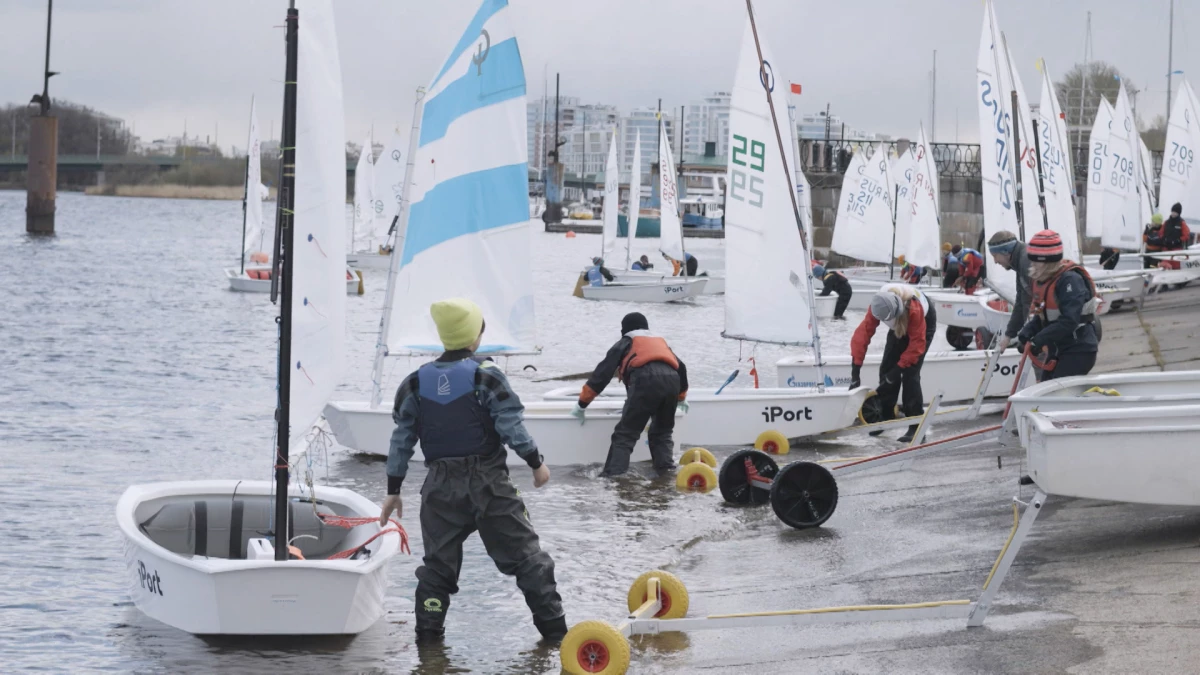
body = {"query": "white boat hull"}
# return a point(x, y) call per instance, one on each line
point(368, 261)
point(738, 416)
point(959, 309)
point(669, 291)
point(1128, 262)
point(956, 374)
point(1144, 455)
point(715, 285)
point(240, 282)
point(221, 596)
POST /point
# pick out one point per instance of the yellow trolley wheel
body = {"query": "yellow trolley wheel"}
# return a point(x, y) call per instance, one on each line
point(592, 647)
point(871, 411)
point(772, 442)
point(674, 594)
point(698, 455)
point(696, 477)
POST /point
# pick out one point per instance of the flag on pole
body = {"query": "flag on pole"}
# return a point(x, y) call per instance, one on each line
point(795, 88)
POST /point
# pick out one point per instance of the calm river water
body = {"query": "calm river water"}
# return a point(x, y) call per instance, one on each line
point(125, 359)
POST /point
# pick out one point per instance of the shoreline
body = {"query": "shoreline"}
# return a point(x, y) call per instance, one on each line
point(169, 191)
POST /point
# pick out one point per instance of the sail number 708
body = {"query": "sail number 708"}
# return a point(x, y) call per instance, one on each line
point(739, 180)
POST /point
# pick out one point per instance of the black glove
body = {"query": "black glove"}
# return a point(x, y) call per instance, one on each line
point(855, 380)
point(1021, 342)
point(892, 377)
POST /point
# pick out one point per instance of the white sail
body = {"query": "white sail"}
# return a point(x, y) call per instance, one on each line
point(902, 169)
point(670, 227)
point(389, 181)
point(996, 156)
point(924, 229)
point(612, 190)
point(468, 229)
point(1097, 154)
point(1145, 178)
point(1119, 181)
point(635, 198)
point(1031, 209)
point(863, 228)
point(319, 277)
point(803, 188)
point(1180, 174)
point(767, 273)
point(252, 239)
point(363, 231)
point(1057, 184)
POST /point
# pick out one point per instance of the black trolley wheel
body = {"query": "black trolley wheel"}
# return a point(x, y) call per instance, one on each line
point(960, 339)
point(804, 495)
point(733, 482)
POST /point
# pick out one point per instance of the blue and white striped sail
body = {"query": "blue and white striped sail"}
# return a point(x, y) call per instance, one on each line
point(468, 231)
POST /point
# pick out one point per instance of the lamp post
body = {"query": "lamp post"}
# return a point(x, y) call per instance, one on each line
point(42, 174)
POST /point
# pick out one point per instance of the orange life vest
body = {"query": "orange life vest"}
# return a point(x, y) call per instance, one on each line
point(1046, 300)
point(646, 348)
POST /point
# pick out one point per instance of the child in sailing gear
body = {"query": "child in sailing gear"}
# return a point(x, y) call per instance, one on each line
point(598, 274)
point(1062, 328)
point(655, 384)
point(835, 282)
point(1010, 254)
point(912, 322)
point(464, 412)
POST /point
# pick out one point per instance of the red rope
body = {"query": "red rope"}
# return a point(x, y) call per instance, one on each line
point(348, 523)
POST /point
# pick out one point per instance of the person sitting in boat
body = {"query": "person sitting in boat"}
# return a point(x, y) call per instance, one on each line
point(1175, 235)
point(970, 268)
point(642, 264)
point(1062, 331)
point(1010, 253)
point(655, 384)
point(598, 274)
point(912, 322)
point(464, 412)
point(834, 282)
point(1152, 240)
point(950, 266)
point(1109, 257)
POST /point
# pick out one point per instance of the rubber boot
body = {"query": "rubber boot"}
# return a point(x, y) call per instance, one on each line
point(430, 612)
point(908, 435)
point(553, 630)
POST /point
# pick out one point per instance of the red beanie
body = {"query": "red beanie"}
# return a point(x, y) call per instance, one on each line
point(1045, 246)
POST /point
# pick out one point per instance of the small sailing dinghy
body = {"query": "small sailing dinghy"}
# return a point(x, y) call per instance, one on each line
point(241, 278)
point(204, 556)
point(368, 229)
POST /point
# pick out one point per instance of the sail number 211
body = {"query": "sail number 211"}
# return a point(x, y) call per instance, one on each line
point(739, 180)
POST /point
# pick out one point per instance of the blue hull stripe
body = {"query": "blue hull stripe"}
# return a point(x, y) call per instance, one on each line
point(471, 34)
point(499, 78)
point(468, 204)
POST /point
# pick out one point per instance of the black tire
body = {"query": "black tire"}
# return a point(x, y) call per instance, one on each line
point(804, 495)
point(872, 411)
point(736, 487)
point(960, 339)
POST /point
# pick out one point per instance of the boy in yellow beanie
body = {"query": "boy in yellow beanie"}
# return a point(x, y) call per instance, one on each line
point(464, 412)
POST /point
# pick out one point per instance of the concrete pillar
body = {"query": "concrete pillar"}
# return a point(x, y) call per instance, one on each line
point(554, 194)
point(42, 174)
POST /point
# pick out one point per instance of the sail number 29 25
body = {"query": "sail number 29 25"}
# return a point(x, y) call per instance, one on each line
point(740, 181)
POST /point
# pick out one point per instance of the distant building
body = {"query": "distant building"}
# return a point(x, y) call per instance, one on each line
point(707, 121)
point(644, 120)
point(815, 126)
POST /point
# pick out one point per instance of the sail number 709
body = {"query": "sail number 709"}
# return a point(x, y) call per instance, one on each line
point(739, 180)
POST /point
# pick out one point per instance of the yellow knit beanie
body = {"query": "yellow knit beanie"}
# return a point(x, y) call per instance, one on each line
point(459, 321)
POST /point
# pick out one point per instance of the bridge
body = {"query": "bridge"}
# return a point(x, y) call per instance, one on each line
point(79, 165)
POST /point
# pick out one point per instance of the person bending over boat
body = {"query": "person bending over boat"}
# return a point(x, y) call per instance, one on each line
point(687, 266)
point(598, 274)
point(642, 264)
point(970, 268)
point(910, 273)
point(835, 282)
point(464, 412)
point(951, 266)
point(912, 322)
point(655, 385)
point(1010, 253)
point(1062, 329)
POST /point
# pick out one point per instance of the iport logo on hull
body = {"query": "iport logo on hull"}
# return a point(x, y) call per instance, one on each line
point(772, 413)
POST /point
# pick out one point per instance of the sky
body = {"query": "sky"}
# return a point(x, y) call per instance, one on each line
point(160, 63)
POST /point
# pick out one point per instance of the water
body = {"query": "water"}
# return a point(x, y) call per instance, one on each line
point(125, 359)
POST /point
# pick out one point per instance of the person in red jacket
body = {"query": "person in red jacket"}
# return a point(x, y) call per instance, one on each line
point(970, 268)
point(912, 322)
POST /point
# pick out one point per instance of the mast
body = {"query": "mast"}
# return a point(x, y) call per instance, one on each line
point(1041, 187)
point(1170, 57)
point(812, 301)
point(245, 196)
point(283, 282)
point(933, 102)
point(400, 225)
point(1017, 154)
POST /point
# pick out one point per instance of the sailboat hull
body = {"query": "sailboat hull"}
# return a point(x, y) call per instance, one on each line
point(242, 283)
point(956, 374)
point(666, 291)
point(207, 595)
point(714, 285)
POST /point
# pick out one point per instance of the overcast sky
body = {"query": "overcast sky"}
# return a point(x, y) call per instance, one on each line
point(156, 62)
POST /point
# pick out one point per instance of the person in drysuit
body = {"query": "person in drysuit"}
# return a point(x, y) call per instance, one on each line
point(1062, 329)
point(598, 274)
point(655, 384)
point(1009, 253)
point(464, 412)
point(912, 322)
point(951, 266)
point(835, 282)
point(642, 264)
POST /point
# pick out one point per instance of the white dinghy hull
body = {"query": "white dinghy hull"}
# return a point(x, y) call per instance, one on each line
point(715, 284)
point(238, 281)
point(959, 309)
point(668, 291)
point(369, 261)
point(221, 596)
point(956, 374)
point(1148, 455)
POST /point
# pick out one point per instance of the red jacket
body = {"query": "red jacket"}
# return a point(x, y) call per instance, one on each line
point(972, 264)
point(916, 336)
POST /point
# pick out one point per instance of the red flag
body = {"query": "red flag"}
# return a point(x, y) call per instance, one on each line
point(795, 88)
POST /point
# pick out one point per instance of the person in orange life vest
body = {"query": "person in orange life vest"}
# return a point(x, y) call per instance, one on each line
point(835, 282)
point(655, 385)
point(912, 322)
point(1152, 239)
point(970, 268)
point(1062, 327)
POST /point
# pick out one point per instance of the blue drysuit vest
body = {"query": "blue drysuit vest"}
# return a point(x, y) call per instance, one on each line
point(594, 276)
point(452, 422)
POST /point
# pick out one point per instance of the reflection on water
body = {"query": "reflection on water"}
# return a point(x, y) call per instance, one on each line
point(125, 359)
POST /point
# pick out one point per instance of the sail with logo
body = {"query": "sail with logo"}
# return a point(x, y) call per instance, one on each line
point(901, 170)
point(1057, 180)
point(924, 227)
point(670, 228)
point(1180, 175)
point(467, 228)
point(1121, 181)
point(252, 228)
point(362, 233)
point(1097, 154)
point(389, 180)
point(865, 223)
point(612, 182)
point(996, 156)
